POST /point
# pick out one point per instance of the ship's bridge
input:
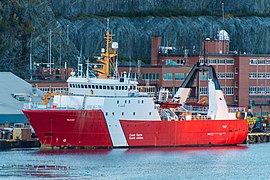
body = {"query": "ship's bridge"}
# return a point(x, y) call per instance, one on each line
point(102, 87)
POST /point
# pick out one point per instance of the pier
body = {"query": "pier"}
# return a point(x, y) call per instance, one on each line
point(258, 137)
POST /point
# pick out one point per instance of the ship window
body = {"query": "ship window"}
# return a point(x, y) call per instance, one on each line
point(73, 85)
point(123, 113)
point(96, 86)
point(106, 113)
point(85, 86)
point(89, 86)
point(117, 102)
point(104, 87)
point(149, 113)
point(125, 87)
point(112, 87)
point(138, 101)
point(142, 101)
point(100, 87)
point(116, 87)
point(113, 113)
point(70, 85)
point(134, 113)
point(125, 101)
point(129, 101)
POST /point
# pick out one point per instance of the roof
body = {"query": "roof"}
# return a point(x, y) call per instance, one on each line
point(14, 92)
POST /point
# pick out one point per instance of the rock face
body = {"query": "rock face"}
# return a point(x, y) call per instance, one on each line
point(248, 33)
point(79, 25)
point(26, 23)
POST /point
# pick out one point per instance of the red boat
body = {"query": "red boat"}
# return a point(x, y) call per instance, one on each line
point(110, 112)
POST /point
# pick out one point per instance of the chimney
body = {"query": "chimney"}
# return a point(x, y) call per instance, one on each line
point(155, 49)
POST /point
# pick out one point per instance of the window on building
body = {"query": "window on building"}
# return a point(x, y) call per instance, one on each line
point(261, 75)
point(252, 75)
point(203, 76)
point(261, 90)
point(236, 70)
point(167, 76)
point(203, 90)
point(229, 75)
point(228, 90)
point(230, 61)
point(221, 61)
point(253, 61)
point(236, 84)
point(252, 90)
point(179, 76)
point(221, 75)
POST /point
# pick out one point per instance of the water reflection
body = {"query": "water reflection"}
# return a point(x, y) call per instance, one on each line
point(73, 151)
point(216, 149)
point(45, 171)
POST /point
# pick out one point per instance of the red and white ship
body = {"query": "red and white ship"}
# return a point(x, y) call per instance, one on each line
point(111, 112)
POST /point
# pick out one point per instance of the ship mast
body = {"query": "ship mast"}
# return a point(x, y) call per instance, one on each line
point(108, 56)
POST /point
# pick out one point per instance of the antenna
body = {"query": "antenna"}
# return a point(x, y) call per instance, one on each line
point(60, 56)
point(223, 11)
point(50, 51)
point(129, 71)
point(30, 58)
point(108, 24)
point(139, 69)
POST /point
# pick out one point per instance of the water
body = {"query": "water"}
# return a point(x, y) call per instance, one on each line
point(241, 162)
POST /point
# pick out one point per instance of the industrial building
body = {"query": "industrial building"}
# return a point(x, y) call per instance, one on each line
point(14, 93)
point(244, 78)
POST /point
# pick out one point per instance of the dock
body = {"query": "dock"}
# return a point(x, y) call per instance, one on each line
point(7, 144)
point(258, 137)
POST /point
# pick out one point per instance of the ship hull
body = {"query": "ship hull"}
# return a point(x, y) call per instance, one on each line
point(88, 128)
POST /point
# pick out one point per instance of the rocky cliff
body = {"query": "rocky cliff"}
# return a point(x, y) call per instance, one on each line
point(80, 24)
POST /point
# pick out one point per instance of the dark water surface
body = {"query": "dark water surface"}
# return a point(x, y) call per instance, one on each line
point(241, 162)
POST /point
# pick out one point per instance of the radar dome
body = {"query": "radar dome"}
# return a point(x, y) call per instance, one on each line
point(223, 35)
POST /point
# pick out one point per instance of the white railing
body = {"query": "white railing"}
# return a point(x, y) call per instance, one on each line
point(50, 106)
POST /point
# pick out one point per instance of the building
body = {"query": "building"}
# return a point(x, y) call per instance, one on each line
point(14, 93)
point(244, 78)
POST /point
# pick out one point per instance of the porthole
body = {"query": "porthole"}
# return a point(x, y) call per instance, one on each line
point(149, 113)
point(134, 113)
point(123, 113)
point(113, 113)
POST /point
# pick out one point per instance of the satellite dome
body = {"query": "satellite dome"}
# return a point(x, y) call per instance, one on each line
point(223, 35)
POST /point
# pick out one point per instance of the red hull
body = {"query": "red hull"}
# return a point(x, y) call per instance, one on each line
point(89, 128)
point(70, 127)
point(184, 133)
